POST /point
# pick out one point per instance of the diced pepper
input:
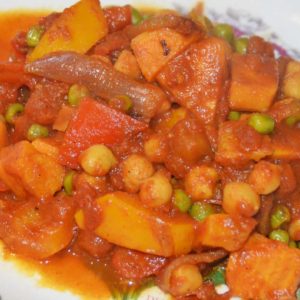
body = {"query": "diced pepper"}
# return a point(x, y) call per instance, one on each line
point(254, 82)
point(222, 230)
point(95, 123)
point(25, 170)
point(77, 29)
point(264, 269)
point(140, 228)
point(154, 49)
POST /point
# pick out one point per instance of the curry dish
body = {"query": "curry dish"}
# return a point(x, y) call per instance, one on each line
point(153, 149)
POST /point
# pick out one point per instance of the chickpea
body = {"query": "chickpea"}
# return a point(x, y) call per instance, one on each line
point(156, 190)
point(186, 279)
point(135, 169)
point(294, 230)
point(265, 177)
point(155, 148)
point(240, 198)
point(97, 160)
point(200, 182)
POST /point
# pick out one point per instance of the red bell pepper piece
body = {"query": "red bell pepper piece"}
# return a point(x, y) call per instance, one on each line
point(95, 123)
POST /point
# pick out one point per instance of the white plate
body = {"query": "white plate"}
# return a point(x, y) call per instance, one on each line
point(277, 20)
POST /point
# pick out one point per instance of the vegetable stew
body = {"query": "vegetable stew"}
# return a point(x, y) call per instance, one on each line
point(156, 149)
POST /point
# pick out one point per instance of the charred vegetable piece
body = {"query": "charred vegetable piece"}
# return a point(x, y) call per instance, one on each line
point(78, 28)
point(101, 79)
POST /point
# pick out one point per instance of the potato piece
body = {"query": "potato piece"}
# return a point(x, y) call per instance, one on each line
point(239, 143)
point(265, 177)
point(222, 230)
point(155, 49)
point(196, 78)
point(264, 269)
point(25, 170)
point(47, 146)
point(125, 222)
point(286, 143)
point(254, 82)
point(127, 64)
point(291, 81)
point(77, 29)
point(37, 230)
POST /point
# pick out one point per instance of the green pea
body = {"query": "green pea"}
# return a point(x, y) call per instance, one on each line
point(12, 111)
point(37, 131)
point(34, 35)
point(234, 116)
point(292, 244)
point(292, 120)
point(136, 17)
point(68, 183)
point(224, 31)
point(262, 123)
point(127, 102)
point(181, 200)
point(241, 45)
point(216, 275)
point(201, 210)
point(76, 94)
point(280, 215)
point(279, 235)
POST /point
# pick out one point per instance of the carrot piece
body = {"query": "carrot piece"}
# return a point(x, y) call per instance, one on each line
point(254, 82)
point(47, 146)
point(155, 49)
point(95, 123)
point(25, 170)
point(222, 230)
point(63, 118)
point(264, 269)
point(127, 64)
point(196, 78)
point(77, 29)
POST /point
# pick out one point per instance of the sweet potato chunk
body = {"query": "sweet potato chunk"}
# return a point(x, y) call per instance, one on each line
point(222, 230)
point(254, 82)
point(291, 82)
point(127, 64)
point(77, 29)
point(264, 269)
point(196, 78)
point(140, 228)
point(239, 143)
point(25, 170)
point(155, 49)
